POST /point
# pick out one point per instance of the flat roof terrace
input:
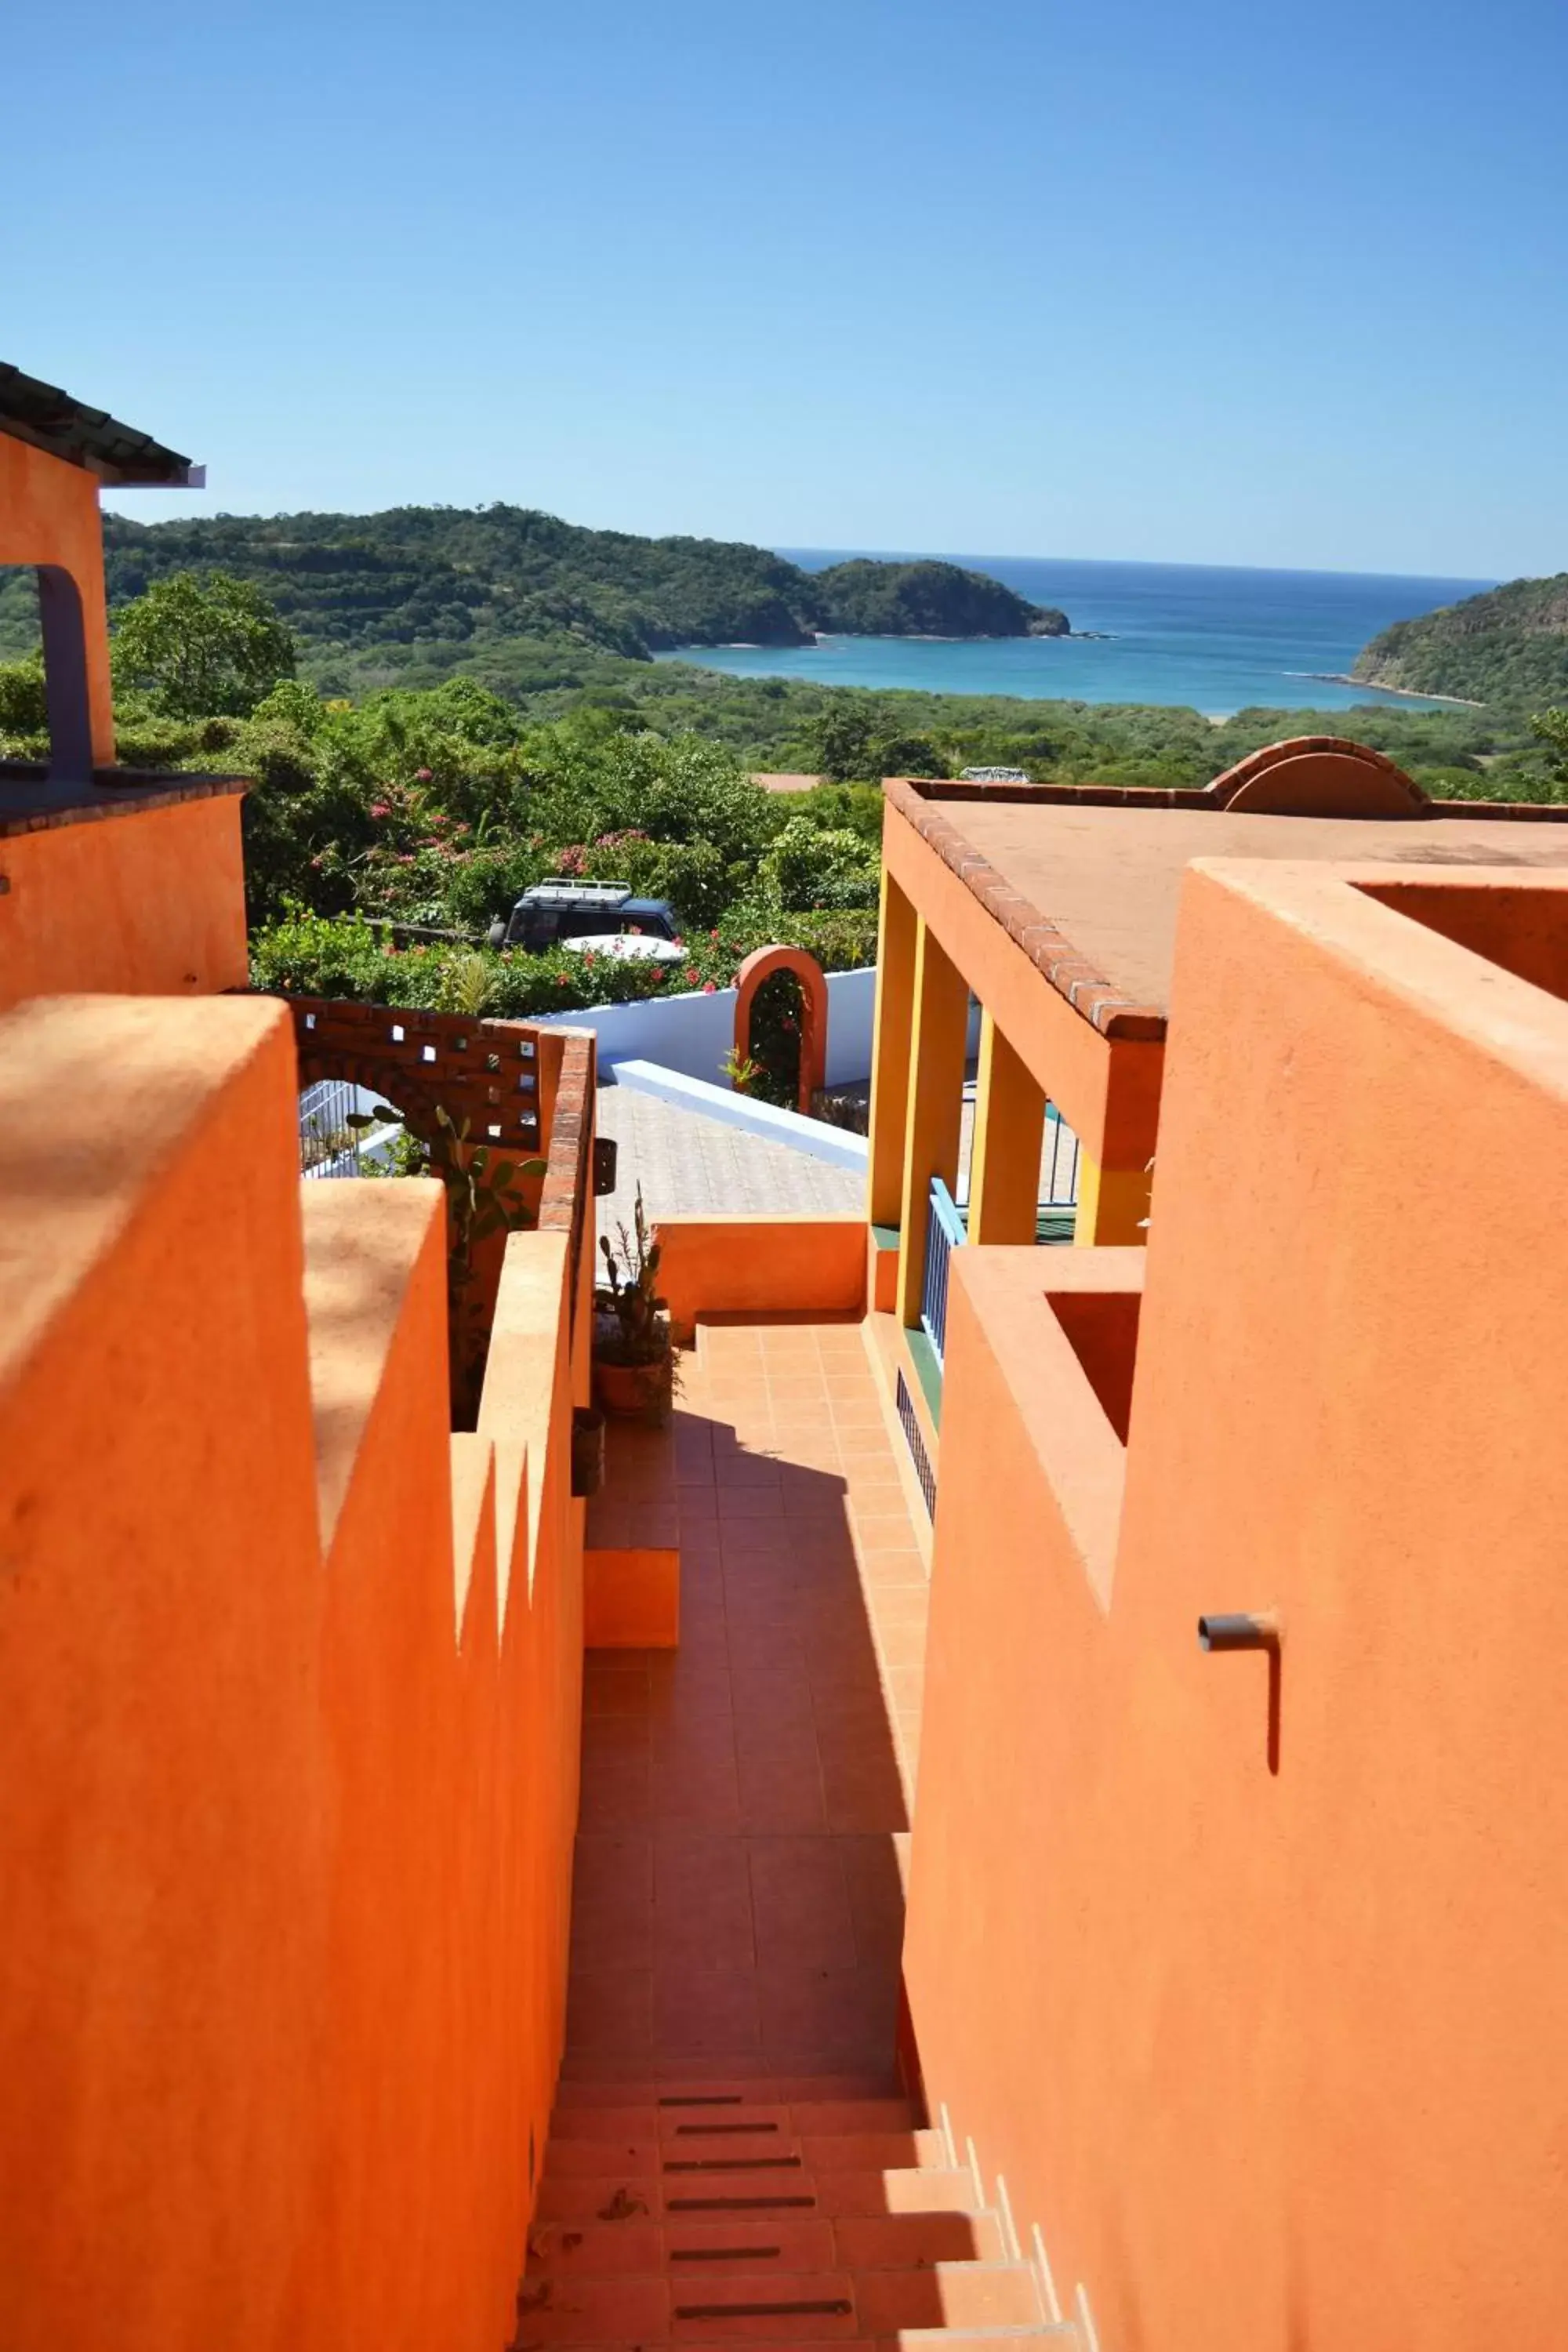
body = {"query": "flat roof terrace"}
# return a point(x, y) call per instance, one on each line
point(1110, 879)
point(1056, 907)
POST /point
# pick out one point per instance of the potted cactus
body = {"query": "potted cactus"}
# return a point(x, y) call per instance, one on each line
point(634, 1363)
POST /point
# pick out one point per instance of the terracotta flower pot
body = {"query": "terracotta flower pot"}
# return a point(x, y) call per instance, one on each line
point(636, 1391)
point(587, 1450)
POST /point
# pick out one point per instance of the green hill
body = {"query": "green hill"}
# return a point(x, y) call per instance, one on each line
point(525, 602)
point(1507, 646)
point(862, 599)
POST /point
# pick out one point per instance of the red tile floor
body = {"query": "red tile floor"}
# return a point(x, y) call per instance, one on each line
point(739, 1906)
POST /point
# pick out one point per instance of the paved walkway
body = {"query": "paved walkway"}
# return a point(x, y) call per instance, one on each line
point(690, 1164)
point(739, 1896)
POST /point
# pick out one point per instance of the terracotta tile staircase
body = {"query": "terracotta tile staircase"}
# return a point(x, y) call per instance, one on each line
point(726, 2165)
point(796, 2212)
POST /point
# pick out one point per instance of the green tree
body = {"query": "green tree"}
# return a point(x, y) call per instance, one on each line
point(1550, 728)
point(23, 709)
point(908, 755)
point(808, 867)
point(199, 645)
point(847, 747)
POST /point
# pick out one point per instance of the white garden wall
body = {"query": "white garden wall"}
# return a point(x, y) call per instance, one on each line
point(694, 1033)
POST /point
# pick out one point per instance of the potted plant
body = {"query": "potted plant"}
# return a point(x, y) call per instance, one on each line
point(634, 1363)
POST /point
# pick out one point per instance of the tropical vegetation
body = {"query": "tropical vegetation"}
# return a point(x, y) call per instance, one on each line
point(383, 835)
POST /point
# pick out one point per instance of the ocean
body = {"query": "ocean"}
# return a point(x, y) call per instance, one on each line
point(1217, 639)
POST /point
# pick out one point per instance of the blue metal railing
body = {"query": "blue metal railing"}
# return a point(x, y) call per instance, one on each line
point(1061, 1163)
point(917, 1445)
point(944, 1233)
point(1056, 1212)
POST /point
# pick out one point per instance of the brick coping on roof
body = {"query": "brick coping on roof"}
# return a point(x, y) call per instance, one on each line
point(1220, 794)
point(918, 800)
point(1048, 949)
point(29, 804)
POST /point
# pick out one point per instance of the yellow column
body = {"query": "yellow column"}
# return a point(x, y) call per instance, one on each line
point(938, 1034)
point(1009, 1129)
point(1112, 1204)
point(891, 1053)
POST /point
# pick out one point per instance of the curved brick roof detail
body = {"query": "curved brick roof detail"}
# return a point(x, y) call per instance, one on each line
point(1049, 949)
point(1318, 775)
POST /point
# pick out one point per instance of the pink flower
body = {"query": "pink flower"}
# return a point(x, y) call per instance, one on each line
point(423, 775)
point(380, 808)
point(708, 988)
point(692, 975)
point(714, 933)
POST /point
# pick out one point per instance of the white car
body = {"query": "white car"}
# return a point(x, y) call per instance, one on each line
point(626, 947)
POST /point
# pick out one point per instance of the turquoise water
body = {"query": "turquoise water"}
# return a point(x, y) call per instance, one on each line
point(1176, 633)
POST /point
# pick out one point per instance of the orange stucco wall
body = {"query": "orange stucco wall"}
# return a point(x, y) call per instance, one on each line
point(759, 1266)
point(150, 902)
point(289, 1693)
point(48, 514)
point(1262, 2021)
point(1511, 923)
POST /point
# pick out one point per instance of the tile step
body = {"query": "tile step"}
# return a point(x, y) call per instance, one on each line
point(765, 2242)
point(722, 2115)
point(617, 2090)
point(1049, 2335)
point(761, 2151)
point(804, 2304)
point(868, 2194)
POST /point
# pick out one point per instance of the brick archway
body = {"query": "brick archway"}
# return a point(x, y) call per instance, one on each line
point(761, 966)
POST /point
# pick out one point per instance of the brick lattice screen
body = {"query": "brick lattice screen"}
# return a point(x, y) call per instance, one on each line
point(485, 1071)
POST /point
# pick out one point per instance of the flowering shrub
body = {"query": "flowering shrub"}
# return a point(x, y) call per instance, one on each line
point(346, 956)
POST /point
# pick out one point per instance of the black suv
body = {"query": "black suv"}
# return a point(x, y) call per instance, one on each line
point(562, 908)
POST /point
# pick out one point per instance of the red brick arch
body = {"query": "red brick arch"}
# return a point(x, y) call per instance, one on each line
point(813, 1009)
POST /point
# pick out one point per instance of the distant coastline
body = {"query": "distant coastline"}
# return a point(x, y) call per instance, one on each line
point(1206, 639)
point(1372, 686)
point(939, 637)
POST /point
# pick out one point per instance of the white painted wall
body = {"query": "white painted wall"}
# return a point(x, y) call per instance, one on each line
point(693, 1034)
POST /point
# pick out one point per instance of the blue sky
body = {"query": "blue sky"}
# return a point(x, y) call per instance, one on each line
point(1226, 282)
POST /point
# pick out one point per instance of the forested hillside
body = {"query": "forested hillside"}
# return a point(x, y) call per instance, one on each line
point(383, 835)
point(524, 602)
point(1508, 647)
